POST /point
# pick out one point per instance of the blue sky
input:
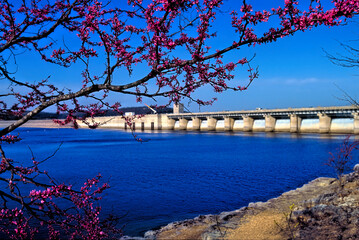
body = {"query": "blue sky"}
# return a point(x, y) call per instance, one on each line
point(293, 72)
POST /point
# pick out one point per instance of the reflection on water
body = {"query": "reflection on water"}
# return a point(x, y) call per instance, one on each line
point(179, 175)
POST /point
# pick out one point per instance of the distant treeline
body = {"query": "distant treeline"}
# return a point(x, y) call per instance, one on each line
point(47, 115)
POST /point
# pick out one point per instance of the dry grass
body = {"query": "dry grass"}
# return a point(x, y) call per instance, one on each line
point(262, 226)
point(194, 232)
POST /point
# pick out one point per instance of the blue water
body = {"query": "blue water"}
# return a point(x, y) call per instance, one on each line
point(178, 175)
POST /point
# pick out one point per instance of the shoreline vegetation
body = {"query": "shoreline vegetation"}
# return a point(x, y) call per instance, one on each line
point(320, 209)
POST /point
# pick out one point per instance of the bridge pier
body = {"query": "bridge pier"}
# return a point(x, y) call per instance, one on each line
point(356, 123)
point(324, 123)
point(168, 123)
point(211, 124)
point(269, 123)
point(247, 124)
point(295, 122)
point(196, 124)
point(228, 124)
point(183, 124)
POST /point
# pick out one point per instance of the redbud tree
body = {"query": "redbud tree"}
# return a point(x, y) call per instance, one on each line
point(144, 48)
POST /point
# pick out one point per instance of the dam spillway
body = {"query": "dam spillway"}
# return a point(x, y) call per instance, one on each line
point(336, 120)
point(341, 120)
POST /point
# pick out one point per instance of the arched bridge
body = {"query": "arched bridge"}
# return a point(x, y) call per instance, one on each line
point(343, 119)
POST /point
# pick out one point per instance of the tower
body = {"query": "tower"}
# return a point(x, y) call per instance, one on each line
point(178, 108)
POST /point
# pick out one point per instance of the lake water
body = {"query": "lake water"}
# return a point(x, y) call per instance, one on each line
point(179, 175)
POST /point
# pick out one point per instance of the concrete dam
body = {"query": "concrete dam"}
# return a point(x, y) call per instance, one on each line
point(341, 120)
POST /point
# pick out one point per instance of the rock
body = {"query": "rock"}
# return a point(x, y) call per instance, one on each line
point(356, 168)
point(256, 205)
point(212, 235)
point(150, 235)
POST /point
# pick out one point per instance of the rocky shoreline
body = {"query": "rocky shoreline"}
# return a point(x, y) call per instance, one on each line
point(320, 209)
